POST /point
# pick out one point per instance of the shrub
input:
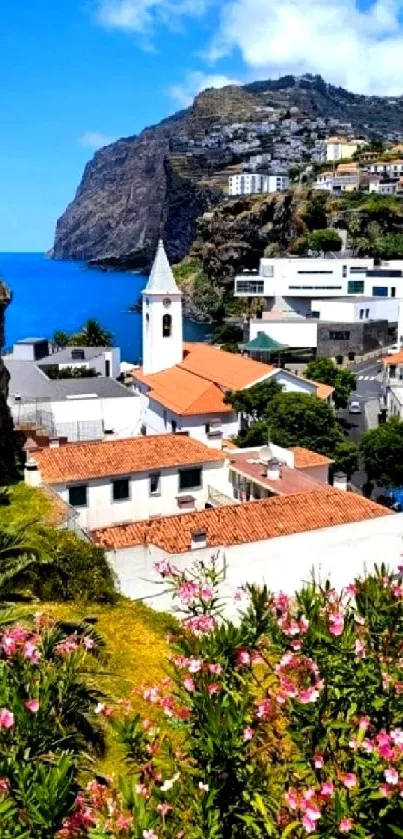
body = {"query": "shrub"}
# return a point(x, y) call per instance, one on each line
point(79, 571)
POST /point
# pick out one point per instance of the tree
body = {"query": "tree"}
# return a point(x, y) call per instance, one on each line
point(325, 240)
point(17, 556)
point(324, 370)
point(346, 458)
point(92, 334)
point(253, 403)
point(60, 338)
point(382, 452)
point(272, 250)
point(299, 419)
point(391, 246)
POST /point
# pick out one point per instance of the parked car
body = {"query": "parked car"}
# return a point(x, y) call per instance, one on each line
point(354, 408)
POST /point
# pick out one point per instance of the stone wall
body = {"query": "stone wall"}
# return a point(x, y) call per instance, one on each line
point(341, 339)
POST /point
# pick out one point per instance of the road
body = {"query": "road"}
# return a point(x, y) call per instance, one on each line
point(367, 394)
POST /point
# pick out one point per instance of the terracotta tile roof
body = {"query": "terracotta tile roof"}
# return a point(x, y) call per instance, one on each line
point(305, 458)
point(323, 391)
point(291, 481)
point(396, 358)
point(227, 370)
point(244, 523)
point(83, 461)
point(184, 393)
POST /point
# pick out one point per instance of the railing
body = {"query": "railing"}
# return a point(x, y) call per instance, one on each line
point(219, 499)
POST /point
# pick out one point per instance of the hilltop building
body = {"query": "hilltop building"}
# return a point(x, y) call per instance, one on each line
point(339, 148)
point(257, 184)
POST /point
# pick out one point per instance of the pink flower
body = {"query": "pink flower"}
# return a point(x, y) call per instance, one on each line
point(292, 799)
point(336, 624)
point(391, 776)
point(345, 826)
point(248, 733)
point(151, 695)
point(309, 695)
point(308, 824)
point(243, 657)
point(215, 668)
point(364, 723)
point(200, 624)
point(32, 705)
point(189, 684)
point(188, 591)
point(351, 589)
point(350, 780)
point(194, 665)
point(360, 649)
point(385, 790)
point(327, 789)
point(313, 812)
point(206, 592)
point(6, 718)
point(124, 822)
point(318, 761)
point(165, 569)
point(164, 808)
point(88, 642)
point(31, 652)
point(264, 709)
point(149, 834)
point(214, 688)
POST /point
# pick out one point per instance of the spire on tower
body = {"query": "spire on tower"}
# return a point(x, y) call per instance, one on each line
point(161, 280)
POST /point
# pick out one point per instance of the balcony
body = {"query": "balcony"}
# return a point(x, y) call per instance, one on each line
point(250, 286)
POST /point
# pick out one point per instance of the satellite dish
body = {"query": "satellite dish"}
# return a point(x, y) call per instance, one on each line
point(266, 454)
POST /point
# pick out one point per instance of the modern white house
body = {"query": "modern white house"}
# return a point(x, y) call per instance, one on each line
point(289, 284)
point(340, 148)
point(246, 183)
point(105, 361)
point(278, 541)
point(111, 482)
point(182, 386)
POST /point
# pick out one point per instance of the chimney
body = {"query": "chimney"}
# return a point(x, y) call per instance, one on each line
point(340, 481)
point(273, 470)
point(199, 539)
point(32, 473)
point(54, 442)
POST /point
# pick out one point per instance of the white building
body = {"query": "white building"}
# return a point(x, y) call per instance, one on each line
point(255, 184)
point(392, 168)
point(189, 395)
point(111, 482)
point(290, 284)
point(105, 361)
point(339, 148)
point(277, 541)
point(79, 409)
point(350, 310)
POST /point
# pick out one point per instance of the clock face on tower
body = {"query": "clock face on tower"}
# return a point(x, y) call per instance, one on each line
point(166, 302)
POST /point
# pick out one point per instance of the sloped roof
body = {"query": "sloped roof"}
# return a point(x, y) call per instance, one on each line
point(85, 461)
point(396, 358)
point(161, 280)
point(230, 371)
point(184, 393)
point(305, 458)
point(245, 523)
point(263, 343)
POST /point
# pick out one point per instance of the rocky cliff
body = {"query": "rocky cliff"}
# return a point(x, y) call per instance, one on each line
point(7, 441)
point(159, 182)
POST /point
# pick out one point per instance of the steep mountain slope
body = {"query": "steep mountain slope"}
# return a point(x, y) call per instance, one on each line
point(161, 181)
point(7, 442)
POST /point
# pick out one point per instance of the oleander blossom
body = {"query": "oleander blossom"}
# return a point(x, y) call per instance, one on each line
point(200, 624)
point(299, 678)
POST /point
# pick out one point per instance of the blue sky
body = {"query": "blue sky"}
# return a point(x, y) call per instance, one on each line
point(76, 73)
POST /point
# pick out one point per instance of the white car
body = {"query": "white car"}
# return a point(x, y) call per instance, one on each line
point(354, 408)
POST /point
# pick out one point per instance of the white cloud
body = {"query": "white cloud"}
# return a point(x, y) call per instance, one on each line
point(95, 140)
point(359, 49)
point(194, 83)
point(141, 16)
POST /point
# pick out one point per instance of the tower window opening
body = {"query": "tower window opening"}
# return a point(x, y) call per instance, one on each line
point(167, 326)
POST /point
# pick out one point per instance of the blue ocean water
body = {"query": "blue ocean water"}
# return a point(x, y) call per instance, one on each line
point(50, 295)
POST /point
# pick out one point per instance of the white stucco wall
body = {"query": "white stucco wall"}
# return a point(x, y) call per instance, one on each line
point(290, 333)
point(102, 510)
point(291, 383)
point(159, 421)
point(99, 363)
point(122, 415)
point(339, 553)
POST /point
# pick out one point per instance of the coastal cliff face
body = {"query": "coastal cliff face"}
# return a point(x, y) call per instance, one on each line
point(159, 182)
point(7, 441)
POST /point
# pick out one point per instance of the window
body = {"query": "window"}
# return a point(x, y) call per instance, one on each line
point(344, 271)
point(190, 478)
point(250, 286)
point(267, 270)
point(339, 335)
point(155, 483)
point(355, 287)
point(167, 326)
point(174, 425)
point(120, 489)
point(393, 291)
point(316, 287)
point(107, 367)
point(78, 496)
point(78, 355)
point(379, 291)
point(315, 314)
point(361, 314)
point(315, 272)
point(367, 313)
point(207, 428)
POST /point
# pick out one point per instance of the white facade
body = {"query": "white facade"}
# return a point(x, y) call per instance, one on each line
point(284, 563)
point(394, 399)
point(210, 430)
point(381, 188)
point(291, 332)
point(356, 310)
point(101, 510)
point(162, 318)
point(105, 364)
point(255, 184)
point(393, 168)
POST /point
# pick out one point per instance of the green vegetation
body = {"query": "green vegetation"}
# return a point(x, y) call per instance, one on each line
point(382, 452)
point(71, 372)
point(91, 334)
point(324, 240)
point(324, 370)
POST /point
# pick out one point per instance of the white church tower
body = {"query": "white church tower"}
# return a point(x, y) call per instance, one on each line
point(162, 317)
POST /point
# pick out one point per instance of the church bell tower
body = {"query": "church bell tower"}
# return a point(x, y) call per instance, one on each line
point(162, 317)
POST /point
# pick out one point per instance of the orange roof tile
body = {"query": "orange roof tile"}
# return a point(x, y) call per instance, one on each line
point(322, 391)
point(305, 458)
point(289, 482)
point(184, 393)
point(230, 371)
point(396, 358)
point(244, 523)
point(84, 461)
